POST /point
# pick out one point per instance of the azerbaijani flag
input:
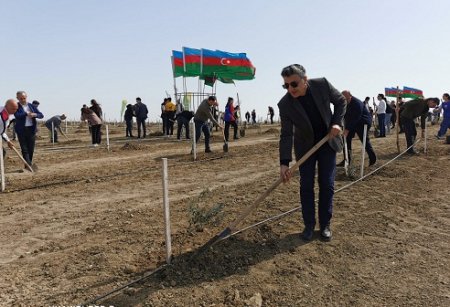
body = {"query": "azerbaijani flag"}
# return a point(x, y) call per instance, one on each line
point(392, 92)
point(177, 63)
point(227, 65)
point(192, 62)
point(409, 92)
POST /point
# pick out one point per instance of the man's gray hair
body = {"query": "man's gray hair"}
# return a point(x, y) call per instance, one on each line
point(294, 69)
point(20, 93)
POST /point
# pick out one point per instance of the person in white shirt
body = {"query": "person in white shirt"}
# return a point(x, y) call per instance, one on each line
point(26, 126)
point(381, 114)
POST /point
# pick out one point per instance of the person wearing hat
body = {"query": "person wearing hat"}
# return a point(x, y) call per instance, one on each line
point(201, 117)
point(55, 124)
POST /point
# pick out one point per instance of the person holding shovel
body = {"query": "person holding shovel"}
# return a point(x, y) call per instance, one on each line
point(26, 126)
point(306, 119)
point(230, 120)
point(356, 116)
point(9, 109)
point(54, 124)
point(201, 117)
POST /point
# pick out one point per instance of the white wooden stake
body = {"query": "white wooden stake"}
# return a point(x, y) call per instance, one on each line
point(53, 133)
point(2, 165)
point(107, 137)
point(194, 144)
point(166, 210)
point(425, 140)
point(66, 126)
point(363, 150)
point(346, 157)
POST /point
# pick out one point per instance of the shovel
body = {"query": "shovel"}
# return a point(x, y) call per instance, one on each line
point(225, 143)
point(23, 160)
point(232, 227)
point(346, 157)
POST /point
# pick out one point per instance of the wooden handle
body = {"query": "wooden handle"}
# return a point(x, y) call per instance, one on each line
point(275, 184)
point(23, 160)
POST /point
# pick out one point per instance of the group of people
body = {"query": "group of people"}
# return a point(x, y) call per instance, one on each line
point(25, 115)
point(93, 115)
point(306, 118)
point(140, 111)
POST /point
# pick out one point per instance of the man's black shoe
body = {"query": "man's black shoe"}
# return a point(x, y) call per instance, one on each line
point(412, 152)
point(207, 150)
point(372, 161)
point(325, 233)
point(307, 233)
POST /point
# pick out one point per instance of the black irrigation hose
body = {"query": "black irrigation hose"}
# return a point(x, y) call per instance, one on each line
point(147, 275)
point(246, 228)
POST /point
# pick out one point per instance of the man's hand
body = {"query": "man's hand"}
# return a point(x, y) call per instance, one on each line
point(10, 144)
point(285, 173)
point(335, 131)
point(221, 127)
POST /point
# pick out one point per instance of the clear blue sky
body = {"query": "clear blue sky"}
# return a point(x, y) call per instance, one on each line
point(66, 52)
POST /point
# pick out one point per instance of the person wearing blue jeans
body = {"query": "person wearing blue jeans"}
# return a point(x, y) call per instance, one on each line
point(201, 117)
point(306, 118)
point(445, 124)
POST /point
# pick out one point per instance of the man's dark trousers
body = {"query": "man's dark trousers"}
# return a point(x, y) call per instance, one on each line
point(382, 124)
point(359, 130)
point(181, 121)
point(409, 126)
point(325, 156)
point(27, 140)
point(199, 127)
point(141, 123)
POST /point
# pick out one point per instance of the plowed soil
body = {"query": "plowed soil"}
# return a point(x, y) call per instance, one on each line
point(90, 220)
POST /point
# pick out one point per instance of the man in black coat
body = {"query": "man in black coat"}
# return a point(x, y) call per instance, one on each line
point(306, 118)
point(411, 110)
point(356, 116)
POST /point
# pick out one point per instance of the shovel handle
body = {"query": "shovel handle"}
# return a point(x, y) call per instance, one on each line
point(256, 203)
point(23, 160)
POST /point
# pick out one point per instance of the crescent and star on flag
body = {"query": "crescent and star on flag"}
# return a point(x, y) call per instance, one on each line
point(224, 61)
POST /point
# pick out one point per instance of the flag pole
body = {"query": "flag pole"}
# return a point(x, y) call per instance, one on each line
point(397, 119)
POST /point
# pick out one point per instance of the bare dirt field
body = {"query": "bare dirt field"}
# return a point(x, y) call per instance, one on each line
point(91, 220)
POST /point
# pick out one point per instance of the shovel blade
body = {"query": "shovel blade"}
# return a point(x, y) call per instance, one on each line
point(225, 147)
point(213, 241)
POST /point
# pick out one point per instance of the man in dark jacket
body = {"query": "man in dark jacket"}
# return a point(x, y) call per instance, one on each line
point(306, 118)
point(26, 126)
point(356, 116)
point(140, 110)
point(128, 116)
point(411, 110)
